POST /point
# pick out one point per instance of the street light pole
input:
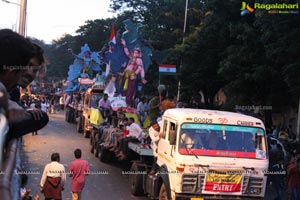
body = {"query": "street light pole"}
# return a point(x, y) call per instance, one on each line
point(23, 13)
point(184, 29)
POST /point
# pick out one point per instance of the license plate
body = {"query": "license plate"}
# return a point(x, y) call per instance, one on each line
point(197, 198)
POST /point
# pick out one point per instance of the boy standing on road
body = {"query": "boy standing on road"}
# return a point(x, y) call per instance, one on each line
point(79, 168)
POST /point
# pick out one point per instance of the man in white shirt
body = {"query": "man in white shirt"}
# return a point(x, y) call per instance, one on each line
point(134, 133)
point(134, 129)
point(53, 178)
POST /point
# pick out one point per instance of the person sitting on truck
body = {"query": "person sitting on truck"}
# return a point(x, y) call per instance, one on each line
point(100, 78)
point(104, 103)
point(121, 116)
point(134, 133)
point(117, 135)
point(116, 129)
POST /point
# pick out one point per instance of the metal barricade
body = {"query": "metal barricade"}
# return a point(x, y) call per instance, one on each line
point(10, 158)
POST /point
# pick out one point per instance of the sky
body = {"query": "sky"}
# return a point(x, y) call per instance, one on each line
point(50, 19)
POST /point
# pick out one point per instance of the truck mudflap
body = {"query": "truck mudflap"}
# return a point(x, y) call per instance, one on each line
point(138, 173)
point(221, 197)
point(152, 186)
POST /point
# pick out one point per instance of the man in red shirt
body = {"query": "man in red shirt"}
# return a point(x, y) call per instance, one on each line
point(79, 168)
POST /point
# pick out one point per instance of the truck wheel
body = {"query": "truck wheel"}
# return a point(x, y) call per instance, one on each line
point(86, 134)
point(91, 138)
point(136, 179)
point(71, 116)
point(163, 193)
point(96, 150)
point(80, 125)
point(67, 115)
point(95, 145)
point(92, 146)
point(100, 153)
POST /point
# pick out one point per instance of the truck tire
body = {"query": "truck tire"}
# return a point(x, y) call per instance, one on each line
point(104, 154)
point(71, 115)
point(163, 192)
point(91, 138)
point(95, 145)
point(67, 114)
point(96, 150)
point(92, 145)
point(136, 179)
point(80, 125)
point(86, 133)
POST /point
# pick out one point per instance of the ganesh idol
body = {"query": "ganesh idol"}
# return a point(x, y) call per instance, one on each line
point(133, 69)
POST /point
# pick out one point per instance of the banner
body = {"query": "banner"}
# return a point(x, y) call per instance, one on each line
point(165, 69)
point(85, 81)
point(223, 181)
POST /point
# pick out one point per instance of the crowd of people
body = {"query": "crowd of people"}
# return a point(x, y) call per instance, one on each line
point(283, 163)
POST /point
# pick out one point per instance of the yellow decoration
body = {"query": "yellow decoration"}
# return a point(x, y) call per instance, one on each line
point(96, 117)
point(127, 76)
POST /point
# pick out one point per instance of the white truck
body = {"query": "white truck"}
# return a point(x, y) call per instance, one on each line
point(206, 154)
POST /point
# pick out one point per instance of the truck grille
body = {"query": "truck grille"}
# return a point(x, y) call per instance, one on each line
point(189, 182)
point(194, 183)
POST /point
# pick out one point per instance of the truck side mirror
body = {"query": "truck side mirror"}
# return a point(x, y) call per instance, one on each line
point(172, 137)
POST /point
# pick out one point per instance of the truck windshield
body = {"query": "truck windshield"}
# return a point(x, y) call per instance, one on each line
point(222, 141)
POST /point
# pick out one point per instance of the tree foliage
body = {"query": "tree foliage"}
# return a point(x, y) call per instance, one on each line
point(254, 58)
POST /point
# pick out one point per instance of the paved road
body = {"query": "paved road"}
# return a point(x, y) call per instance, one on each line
point(60, 136)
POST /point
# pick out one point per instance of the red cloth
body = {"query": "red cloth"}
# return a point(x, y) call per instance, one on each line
point(78, 168)
point(126, 132)
point(52, 188)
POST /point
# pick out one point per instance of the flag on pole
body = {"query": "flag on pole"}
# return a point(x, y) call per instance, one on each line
point(165, 69)
point(112, 37)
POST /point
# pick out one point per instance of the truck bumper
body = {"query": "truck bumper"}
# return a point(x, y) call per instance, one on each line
point(205, 197)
